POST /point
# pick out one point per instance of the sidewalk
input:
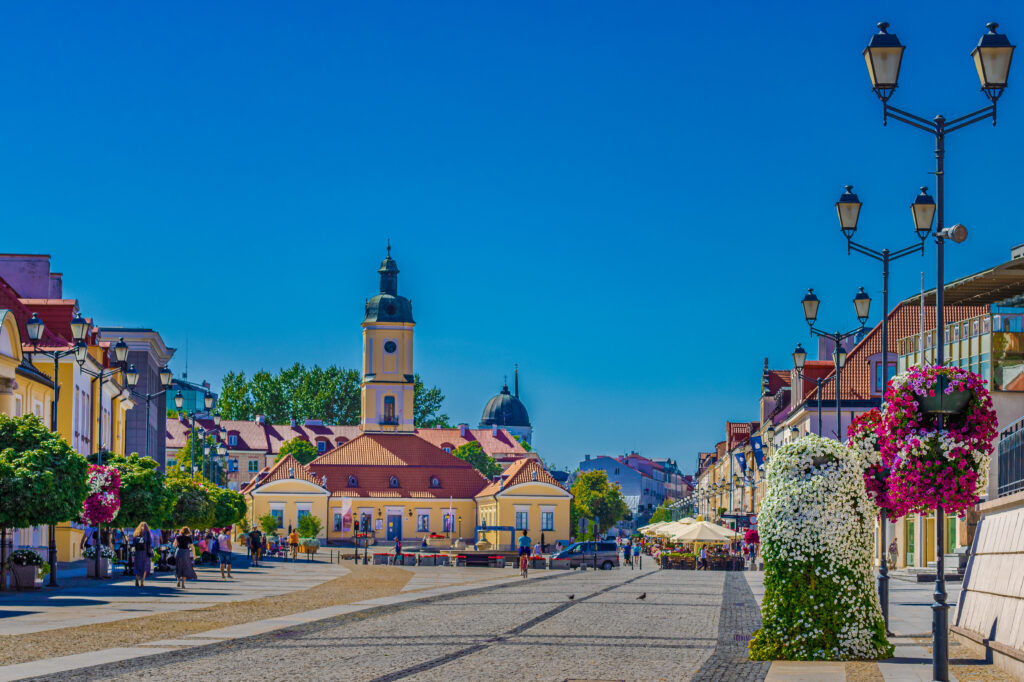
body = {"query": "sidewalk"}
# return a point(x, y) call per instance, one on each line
point(910, 620)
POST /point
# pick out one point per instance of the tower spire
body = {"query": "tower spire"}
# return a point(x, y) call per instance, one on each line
point(517, 379)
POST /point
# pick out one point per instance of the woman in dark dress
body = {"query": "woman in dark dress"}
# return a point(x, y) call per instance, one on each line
point(183, 557)
point(142, 544)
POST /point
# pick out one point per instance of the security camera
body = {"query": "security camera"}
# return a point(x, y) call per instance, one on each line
point(957, 234)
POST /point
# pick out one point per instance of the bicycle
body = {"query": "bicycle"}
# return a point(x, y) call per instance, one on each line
point(524, 564)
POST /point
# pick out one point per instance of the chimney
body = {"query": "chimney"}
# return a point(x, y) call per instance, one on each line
point(292, 423)
point(260, 419)
point(463, 430)
point(586, 458)
point(1017, 252)
point(314, 422)
point(494, 429)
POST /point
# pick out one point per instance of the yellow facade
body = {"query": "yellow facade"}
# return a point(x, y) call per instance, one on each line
point(387, 389)
point(20, 393)
point(290, 496)
point(534, 499)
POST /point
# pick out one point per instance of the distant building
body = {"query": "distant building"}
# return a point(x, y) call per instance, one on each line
point(193, 396)
point(507, 411)
point(641, 480)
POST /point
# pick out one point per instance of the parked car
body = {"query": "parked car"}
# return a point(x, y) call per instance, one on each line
point(595, 554)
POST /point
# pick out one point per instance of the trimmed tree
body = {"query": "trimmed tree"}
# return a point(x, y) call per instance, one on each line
point(473, 453)
point(228, 507)
point(193, 502)
point(595, 497)
point(309, 526)
point(299, 448)
point(268, 524)
point(144, 496)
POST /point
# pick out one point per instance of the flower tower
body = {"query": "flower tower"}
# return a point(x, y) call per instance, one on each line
point(815, 528)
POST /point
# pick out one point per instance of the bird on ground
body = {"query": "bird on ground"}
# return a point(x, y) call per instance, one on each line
point(571, 597)
point(643, 596)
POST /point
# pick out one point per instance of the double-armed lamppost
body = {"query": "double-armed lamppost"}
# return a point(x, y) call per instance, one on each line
point(101, 375)
point(799, 360)
point(35, 328)
point(923, 210)
point(992, 57)
point(862, 305)
point(166, 380)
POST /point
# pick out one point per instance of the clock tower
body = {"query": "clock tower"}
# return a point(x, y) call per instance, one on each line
point(387, 387)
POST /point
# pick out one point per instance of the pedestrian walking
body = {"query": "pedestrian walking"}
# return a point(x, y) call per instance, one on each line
point(398, 550)
point(703, 558)
point(894, 553)
point(293, 542)
point(224, 553)
point(142, 548)
point(637, 559)
point(255, 545)
point(183, 569)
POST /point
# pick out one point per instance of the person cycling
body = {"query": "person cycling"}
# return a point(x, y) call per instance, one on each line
point(524, 552)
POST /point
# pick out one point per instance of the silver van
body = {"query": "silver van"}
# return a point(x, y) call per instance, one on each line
point(594, 554)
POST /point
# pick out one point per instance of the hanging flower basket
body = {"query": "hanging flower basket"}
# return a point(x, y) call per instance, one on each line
point(863, 437)
point(937, 468)
point(943, 399)
point(104, 501)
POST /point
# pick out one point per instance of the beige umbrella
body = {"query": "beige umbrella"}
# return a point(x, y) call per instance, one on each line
point(652, 526)
point(670, 529)
point(702, 531)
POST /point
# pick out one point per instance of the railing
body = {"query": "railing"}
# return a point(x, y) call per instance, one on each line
point(1011, 458)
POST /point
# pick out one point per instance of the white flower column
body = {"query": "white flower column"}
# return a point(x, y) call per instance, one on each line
point(815, 524)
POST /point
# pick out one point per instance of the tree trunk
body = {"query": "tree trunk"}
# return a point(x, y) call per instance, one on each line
point(3, 559)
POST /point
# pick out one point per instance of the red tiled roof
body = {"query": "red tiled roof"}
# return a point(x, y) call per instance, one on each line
point(266, 438)
point(286, 467)
point(777, 378)
point(520, 472)
point(10, 300)
point(494, 445)
point(904, 321)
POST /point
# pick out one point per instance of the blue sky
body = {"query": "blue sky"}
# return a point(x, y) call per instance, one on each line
point(628, 200)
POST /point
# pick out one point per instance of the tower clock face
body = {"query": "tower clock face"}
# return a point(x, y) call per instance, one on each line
point(390, 347)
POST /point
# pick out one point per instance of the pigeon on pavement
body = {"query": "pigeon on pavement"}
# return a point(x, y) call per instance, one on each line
point(643, 596)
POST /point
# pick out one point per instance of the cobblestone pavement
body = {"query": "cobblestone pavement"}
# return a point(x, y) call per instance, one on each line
point(529, 631)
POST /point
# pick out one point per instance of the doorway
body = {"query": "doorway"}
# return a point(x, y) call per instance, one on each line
point(394, 522)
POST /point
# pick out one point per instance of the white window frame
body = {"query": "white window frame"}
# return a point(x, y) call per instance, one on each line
point(522, 509)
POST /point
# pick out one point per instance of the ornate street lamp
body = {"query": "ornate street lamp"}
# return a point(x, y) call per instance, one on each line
point(883, 56)
point(992, 57)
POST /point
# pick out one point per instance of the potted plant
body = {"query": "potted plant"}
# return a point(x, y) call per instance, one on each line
point(309, 545)
point(89, 554)
point(25, 567)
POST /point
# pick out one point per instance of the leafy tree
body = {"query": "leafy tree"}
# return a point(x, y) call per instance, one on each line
point(42, 480)
point(427, 406)
point(721, 511)
point(473, 453)
point(526, 445)
point(234, 401)
point(228, 507)
point(309, 526)
point(595, 497)
point(183, 459)
point(268, 523)
point(193, 503)
point(144, 496)
point(268, 397)
point(299, 448)
point(662, 513)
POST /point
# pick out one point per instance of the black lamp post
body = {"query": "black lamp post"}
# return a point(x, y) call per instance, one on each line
point(992, 57)
point(120, 355)
point(35, 334)
point(166, 379)
point(179, 403)
point(799, 360)
point(923, 210)
point(862, 305)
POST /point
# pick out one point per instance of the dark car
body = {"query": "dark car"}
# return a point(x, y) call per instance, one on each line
point(595, 554)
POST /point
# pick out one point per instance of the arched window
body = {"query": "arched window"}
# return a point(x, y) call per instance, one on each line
point(340, 440)
point(435, 482)
point(389, 410)
point(393, 481)
point(321, 446)
point(353, 482)
point(447, 447)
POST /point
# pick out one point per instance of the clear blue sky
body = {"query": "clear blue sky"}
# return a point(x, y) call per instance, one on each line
point(627, 199)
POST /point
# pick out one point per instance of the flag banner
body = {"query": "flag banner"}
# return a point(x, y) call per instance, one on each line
point(755, 442)
point(741, 459)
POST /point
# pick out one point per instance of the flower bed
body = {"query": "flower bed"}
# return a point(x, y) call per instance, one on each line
point(816, 524)
point(106, 553)
point(932, 467)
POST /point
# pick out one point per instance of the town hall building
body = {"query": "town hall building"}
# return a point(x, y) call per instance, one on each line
point(395, 481)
